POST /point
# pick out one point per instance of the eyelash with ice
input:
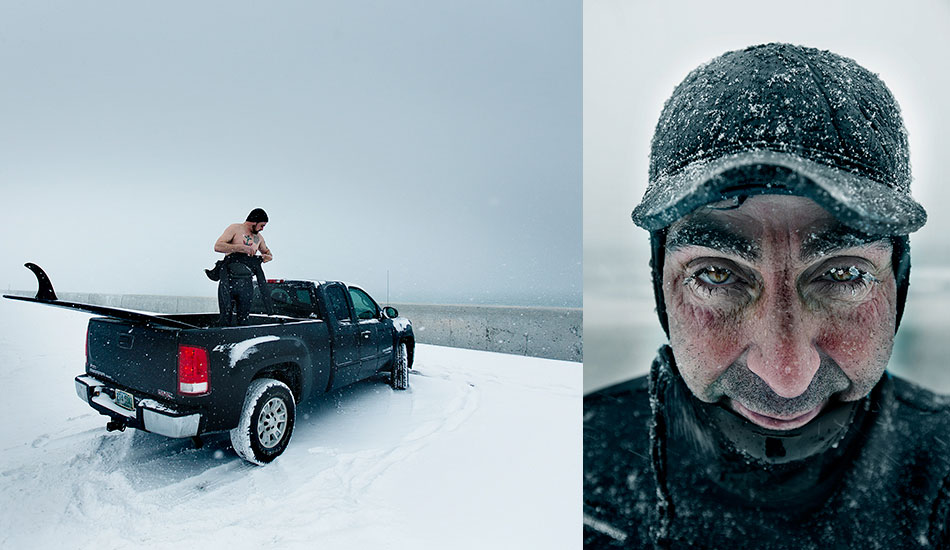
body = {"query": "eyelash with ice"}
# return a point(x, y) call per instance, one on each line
point(701, 279)
point(855, 279)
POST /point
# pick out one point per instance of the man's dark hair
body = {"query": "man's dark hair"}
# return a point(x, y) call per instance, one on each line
point(257, 215)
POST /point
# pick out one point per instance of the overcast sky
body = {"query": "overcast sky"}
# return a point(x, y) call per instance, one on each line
point(440, 141)
point(636, 52)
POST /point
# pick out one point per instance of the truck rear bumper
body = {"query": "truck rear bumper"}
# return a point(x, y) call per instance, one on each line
point(148, 415)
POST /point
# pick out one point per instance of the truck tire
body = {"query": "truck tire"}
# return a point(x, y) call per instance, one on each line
point(267, 421)
point(399, 378)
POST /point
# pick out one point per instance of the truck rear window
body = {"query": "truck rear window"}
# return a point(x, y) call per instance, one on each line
point(338, 306)
point(290, 299)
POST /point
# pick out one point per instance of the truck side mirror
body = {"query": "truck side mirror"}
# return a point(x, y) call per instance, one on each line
point(390, 312)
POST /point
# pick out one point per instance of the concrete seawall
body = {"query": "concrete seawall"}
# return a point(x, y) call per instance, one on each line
point(552, 333)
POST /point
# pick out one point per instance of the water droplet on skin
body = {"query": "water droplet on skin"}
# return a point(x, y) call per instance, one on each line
point(788, 370)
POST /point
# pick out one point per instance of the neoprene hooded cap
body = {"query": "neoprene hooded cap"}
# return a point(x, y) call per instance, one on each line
point(257, 216)
point(779, 118)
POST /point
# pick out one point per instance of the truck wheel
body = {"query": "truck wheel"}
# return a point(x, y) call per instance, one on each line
point(399, 378)
point(267, 421)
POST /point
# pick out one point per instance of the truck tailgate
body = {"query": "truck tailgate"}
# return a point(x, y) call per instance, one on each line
point(134, 355)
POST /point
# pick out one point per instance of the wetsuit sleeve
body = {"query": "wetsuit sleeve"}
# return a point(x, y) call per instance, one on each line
point(262, 285)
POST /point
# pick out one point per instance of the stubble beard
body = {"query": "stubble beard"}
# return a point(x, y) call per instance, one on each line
point(744, 386)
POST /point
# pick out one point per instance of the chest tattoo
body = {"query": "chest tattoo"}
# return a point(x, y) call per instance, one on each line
point(257, 239)
point(247, 240)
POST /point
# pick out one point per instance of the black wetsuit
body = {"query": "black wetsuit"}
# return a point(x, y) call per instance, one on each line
point(654, 477)
point(236, 288)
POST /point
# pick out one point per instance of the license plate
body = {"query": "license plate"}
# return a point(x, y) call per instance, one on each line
point(124, 400)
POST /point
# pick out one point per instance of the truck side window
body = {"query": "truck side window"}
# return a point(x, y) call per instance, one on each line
point(338, 305)
point(365, 307)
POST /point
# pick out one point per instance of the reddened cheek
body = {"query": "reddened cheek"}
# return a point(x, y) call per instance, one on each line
point(705, 340)
point(857, 328)
point(860, 341)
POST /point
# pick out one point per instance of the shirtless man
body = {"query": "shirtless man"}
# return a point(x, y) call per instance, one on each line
point(245, 238)
point(241, 241)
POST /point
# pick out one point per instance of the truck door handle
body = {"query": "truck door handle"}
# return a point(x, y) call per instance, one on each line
point(125, 341)
point(365, 334)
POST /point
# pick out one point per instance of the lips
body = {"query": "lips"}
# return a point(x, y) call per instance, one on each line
point(777, 423)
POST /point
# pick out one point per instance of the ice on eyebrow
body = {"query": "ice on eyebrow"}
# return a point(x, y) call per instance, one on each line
point(711, 236)
point(838, 237)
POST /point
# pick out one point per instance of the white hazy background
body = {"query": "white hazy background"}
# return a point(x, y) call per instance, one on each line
point(438, 141)
point(636, 52)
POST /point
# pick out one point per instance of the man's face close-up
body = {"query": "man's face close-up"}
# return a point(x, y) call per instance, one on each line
point(777, 310)
point(258, 227)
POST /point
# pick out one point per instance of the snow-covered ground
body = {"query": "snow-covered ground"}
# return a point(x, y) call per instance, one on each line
point(483, 451)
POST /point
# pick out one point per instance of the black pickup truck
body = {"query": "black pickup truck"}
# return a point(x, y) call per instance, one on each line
point(181, 376)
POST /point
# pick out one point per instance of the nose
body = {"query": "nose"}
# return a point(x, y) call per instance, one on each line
point(782, 351)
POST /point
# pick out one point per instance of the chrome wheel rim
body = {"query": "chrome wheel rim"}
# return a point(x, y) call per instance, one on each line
point(272, 423)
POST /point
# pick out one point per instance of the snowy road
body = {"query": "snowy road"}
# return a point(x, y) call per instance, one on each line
point(483, 451)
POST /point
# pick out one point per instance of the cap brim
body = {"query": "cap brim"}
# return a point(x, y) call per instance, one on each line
point(856, 201)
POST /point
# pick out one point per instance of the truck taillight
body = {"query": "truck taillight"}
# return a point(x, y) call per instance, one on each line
point(192, 370)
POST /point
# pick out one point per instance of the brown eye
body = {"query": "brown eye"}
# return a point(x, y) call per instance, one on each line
point(714, 275)
point(843, 275)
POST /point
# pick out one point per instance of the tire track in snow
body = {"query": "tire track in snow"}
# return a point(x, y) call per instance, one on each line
point(356, 471)
point(368, 466)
